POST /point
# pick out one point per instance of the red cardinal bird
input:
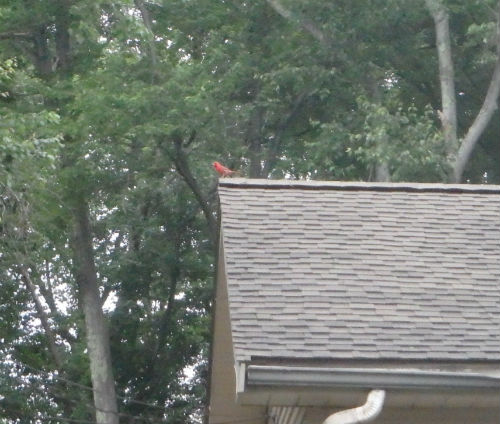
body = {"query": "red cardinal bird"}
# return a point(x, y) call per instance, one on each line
point(222, 170)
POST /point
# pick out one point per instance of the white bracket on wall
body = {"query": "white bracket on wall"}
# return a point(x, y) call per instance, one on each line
point(286, 414)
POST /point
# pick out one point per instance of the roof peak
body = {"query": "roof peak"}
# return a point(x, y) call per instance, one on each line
point(358, 186)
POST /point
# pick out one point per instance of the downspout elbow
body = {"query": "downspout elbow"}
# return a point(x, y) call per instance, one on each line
point(364, 413)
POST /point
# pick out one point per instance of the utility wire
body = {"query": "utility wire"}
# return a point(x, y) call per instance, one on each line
point(242, 420)
point(71, 420)
point(81, 421)
point(84, 387)
point(68, 420)
point(48, 388)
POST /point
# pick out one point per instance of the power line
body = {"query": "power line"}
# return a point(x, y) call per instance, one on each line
point(72, 420)
point(88, 388)
point(78, 421)
point(241, 420)
point(68, 420)
point(48, 388)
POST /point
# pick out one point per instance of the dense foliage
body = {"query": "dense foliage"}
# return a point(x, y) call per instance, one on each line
point(117, 108)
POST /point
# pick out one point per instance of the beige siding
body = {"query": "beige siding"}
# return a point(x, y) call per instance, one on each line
point(418, 415)
point(223, 406)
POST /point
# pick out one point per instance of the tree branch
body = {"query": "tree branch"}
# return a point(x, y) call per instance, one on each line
point(54, 350)
point(47, 292)
point(303, 22)
point(182, 166)
point(148, 23)
point(280, 130)
point(483, 117)
point(254, 141)
point(16, 35)
point(166, 316)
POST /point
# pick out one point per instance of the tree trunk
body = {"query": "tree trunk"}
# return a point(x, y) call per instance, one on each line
point(148, 23)
point(41, 53)
point(382, 173)
point(253, 139)
point(448, 115)
point(62, 39)
point(98, 344)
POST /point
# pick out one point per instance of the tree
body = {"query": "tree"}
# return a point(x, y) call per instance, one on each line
point(388, 73)
point(113, 113)
point(94, 172)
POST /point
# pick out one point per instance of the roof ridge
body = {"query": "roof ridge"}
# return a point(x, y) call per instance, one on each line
point(248, 183)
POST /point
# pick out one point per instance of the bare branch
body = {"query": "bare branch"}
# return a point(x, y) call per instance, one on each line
point(16, 35)
point(483, 117)
point(275, 147)
point(47, 292)
point(254, 140)
point(148, 23)
point(167, 314)
point(305, 23)
point(482, 120)
point(182, 166)
point(53, 348)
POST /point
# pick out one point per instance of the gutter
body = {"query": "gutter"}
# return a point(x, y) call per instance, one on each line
point(268, 375)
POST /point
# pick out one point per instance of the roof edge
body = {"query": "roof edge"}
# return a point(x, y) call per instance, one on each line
point(247, 183)
point(260, 375)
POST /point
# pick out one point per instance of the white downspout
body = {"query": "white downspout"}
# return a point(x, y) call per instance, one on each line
point(361, 414)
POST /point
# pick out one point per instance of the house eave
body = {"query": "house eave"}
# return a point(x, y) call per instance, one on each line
point(361, 378)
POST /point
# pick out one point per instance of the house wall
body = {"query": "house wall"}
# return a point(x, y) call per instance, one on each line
point(223, 406)
point(419, 415)
point(400, 407)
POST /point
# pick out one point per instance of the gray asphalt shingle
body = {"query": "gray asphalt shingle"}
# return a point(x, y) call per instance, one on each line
point(363, 271)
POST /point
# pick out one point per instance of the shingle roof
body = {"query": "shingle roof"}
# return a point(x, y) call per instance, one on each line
point(362, 271)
